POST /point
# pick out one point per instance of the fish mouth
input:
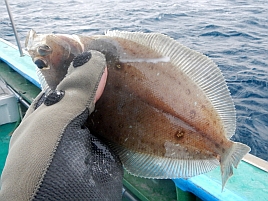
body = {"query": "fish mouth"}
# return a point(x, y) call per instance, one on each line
point(41, 64)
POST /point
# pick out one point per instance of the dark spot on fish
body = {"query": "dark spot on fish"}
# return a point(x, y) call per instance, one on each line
point(188, 91)
point(179, 133)
point(223, 150)
point(217, 145)
point(192, 114)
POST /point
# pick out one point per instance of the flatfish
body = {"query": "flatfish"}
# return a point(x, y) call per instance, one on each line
point(166, 109)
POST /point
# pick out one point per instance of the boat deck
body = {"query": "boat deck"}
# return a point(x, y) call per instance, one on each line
point(249, 182)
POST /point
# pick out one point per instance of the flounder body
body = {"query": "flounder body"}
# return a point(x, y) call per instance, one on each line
point(165, 110)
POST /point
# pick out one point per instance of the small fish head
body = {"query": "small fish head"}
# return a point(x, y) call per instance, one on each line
point(52, 54)
point(41, 61)
point(38, 50)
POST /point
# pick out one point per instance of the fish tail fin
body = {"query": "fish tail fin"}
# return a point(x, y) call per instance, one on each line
point(232, 158)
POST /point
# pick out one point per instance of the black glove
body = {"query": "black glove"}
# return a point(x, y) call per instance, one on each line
point(52, 156)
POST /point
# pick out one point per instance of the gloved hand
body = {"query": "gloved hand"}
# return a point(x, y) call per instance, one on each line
point(52, 156)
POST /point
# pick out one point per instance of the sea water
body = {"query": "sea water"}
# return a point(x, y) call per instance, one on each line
point(233, 33)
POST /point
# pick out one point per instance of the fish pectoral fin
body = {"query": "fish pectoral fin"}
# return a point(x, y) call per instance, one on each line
point(232, 158)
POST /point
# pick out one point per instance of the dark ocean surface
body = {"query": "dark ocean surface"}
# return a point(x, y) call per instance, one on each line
point(233, 33)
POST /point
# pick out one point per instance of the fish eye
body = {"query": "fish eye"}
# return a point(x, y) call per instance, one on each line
point(44, 50)
point(44, 47)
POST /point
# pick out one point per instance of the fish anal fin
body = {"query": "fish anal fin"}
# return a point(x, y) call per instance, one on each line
point(232, 158)
point(161, 167)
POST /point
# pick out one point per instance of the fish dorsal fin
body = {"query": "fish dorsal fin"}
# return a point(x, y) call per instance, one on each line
point(198, 67)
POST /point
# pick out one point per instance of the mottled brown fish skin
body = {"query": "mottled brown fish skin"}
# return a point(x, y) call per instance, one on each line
point(133, 90)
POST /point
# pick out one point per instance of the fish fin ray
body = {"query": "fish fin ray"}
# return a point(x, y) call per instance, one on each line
point(29, 38)
point(196, 66)
point(232, 158)
point(153, 167)
point(44, 86)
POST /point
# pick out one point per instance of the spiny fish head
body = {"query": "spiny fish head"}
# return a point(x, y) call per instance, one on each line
point(38, 49)
point(52, 54)
point(43, 50)
point(48, 50)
